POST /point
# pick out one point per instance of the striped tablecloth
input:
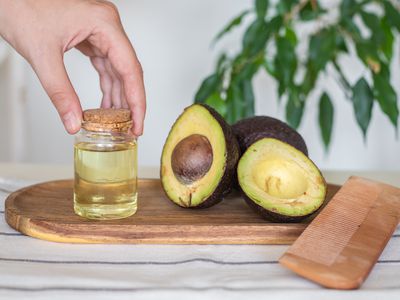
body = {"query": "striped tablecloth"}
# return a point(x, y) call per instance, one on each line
point(35, 269)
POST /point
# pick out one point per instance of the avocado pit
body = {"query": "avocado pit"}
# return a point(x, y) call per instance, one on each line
point(192, 158)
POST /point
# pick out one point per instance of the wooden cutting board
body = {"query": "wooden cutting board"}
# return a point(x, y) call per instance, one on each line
point(342, 244)
point(45, 211)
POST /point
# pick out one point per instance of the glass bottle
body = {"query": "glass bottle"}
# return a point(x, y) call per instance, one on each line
point(105, 161)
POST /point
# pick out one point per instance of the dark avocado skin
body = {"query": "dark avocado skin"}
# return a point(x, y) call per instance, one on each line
point(250, 130)
point(272, 216)
point(227, 180)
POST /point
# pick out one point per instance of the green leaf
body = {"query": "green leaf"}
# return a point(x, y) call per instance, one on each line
point(366, 49)
point(341, 44)
point(217, 103)
point(368, 53)
point(237, 98)
point(373, 23)
point(247, 72)
point(281, 89)
point(291, 36)
point(326, 112)
point(257, 34)
point(385, 72)
point(386, 96)
point(351, 28)
point(248, 97)
point(209, 85)
point(310, 78)
point(387, 45)
point(221, 63)
point(322, 47)
point(294, 108)
point(261, 8)
point(285, 61)
point(275, 24)
point(239, 60)
point(311, 11)
point(269, 66)
point(342, 78)
point(284, 6)
point(348, 8)
point(363, 100)
point(240, 100)
point(231, 25)
point(230, 105)
point(234, 103)
point(255, 37)
point(392, 14)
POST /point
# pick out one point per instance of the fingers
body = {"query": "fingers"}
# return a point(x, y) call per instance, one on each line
point(105, 81)
point(86, 48)
point(116, 86)
point(136, 100)
point(109, 41)
point(110, 84)
point(50, 69)
point(127, 67)
point(124, 103)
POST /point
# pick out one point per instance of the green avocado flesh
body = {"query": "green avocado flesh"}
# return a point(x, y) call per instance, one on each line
point(279, 181)
point(199, 158)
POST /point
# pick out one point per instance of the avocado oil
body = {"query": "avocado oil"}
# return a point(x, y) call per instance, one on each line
point(105, 162)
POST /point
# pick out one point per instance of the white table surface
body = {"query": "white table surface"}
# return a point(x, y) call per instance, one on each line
point(35, 269)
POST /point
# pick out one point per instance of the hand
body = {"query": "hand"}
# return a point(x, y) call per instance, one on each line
point(42, 30)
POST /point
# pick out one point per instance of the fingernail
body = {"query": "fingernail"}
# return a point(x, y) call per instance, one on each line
point(71, 122)
point(136, 132)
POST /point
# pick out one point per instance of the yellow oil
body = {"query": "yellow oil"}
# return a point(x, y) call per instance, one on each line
point(105, 180)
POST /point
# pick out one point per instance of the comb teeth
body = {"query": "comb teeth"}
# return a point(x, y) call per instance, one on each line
point(341, 245)
point(325, 238)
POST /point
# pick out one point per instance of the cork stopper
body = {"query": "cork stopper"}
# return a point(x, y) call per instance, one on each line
point(107, 119)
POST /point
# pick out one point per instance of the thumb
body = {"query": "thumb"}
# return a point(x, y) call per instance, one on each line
point(54, 78)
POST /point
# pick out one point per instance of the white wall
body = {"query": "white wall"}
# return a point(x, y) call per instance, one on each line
point(172, 39)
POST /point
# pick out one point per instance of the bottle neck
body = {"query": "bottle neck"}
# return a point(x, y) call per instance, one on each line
point(104, 136)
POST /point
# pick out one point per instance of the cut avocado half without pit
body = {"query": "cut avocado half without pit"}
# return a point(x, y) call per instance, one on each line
point(279, 181)
point(199, 158)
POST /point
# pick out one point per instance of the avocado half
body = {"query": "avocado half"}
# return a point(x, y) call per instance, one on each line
point(199, 158)
point(279, 181)
point(250, 130)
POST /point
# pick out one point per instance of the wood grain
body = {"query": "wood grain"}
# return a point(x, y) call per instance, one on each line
point(45, 211)
point(340, 247)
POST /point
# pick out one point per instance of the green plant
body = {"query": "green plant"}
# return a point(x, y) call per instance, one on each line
point(363, 28)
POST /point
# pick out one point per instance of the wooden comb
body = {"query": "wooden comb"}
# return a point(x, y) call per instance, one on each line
point(342, 244)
